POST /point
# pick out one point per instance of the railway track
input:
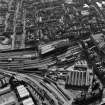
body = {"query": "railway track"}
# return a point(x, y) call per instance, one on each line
point(16, 53)
point(21, 59)
point(50, 90)
point(42, 89)
point(52, 83)
point(26, 63)
point(35, 81)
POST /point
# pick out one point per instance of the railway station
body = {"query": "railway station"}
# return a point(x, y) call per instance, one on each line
point(52, 52)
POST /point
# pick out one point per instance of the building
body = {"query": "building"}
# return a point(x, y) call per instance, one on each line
point(77, 79)
point(7, 96)
point(81, 1)
point(78, 76)
point(99, 40)
point(8, 99)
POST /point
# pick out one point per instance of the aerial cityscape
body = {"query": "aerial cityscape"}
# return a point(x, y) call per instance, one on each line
point(52, 52)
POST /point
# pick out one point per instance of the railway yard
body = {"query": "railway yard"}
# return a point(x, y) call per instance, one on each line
point(52, 52)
